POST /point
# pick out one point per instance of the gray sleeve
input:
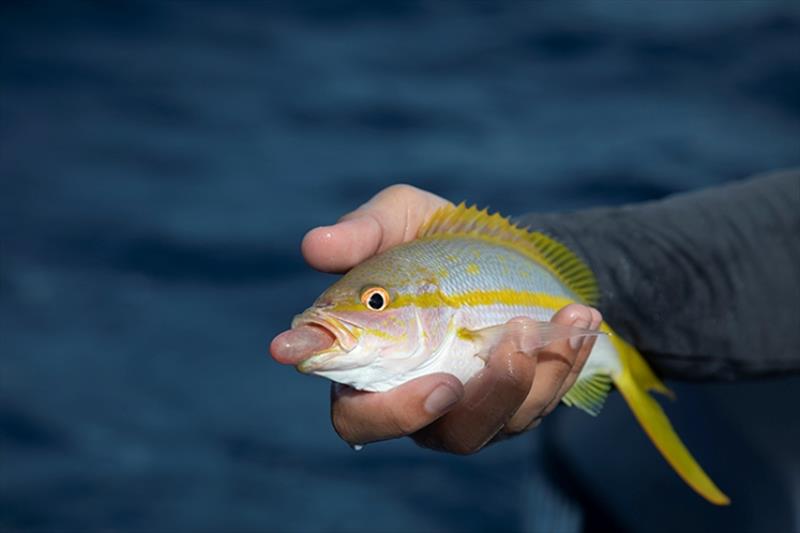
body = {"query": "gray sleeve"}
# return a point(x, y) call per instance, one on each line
point(705, 284)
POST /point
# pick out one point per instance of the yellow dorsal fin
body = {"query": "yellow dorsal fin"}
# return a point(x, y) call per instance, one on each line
point(463, 221)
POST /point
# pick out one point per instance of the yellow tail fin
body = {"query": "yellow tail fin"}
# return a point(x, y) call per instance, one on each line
point(633, 383)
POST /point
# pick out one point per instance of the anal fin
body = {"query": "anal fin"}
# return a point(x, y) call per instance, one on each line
point(589, 394)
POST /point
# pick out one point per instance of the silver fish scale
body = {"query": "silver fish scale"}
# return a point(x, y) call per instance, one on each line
point(464, 265)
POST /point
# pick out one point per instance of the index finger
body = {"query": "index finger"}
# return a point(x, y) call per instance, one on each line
point(391, 217)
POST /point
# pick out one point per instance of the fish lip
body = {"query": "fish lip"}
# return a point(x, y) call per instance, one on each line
point(317, 361)
point(345, 339)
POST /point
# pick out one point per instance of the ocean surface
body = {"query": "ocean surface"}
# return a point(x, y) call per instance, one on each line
point(160, 162)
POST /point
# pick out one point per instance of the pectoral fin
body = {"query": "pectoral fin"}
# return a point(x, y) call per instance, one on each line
point(527, 335)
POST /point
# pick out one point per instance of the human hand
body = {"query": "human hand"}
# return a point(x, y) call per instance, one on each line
point(510, 395)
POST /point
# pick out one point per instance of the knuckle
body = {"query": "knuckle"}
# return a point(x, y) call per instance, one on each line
point(597, 317)
point(549, 409)
point(458, 443)
point(431, 438)
point(542, 392)
point(445, 437)
point(402, 192)
point(518, 372)
point(341, 423)
point(535, 422)
point(404, 424)
point(562, 372)
point(401, 188)
point(579, 363)
point(463, 448)
point(516, 426)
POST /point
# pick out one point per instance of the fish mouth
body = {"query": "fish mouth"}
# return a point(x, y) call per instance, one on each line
point(345, 340)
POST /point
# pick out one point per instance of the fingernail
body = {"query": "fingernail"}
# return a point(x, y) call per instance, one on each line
point(440, 400)
point(577, 342)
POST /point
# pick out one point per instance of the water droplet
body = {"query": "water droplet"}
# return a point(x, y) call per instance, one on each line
point(357, 447)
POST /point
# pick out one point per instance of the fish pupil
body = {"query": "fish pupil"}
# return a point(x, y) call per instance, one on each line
point(376, 301)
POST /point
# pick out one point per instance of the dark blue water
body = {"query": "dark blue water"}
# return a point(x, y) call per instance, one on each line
point(160, 162)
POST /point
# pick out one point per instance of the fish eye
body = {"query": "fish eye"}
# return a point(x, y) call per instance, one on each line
point(376, 298)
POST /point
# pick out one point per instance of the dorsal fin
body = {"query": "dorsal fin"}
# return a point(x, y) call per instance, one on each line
point(466, 221)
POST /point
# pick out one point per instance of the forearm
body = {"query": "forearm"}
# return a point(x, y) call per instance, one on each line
point(705, 284)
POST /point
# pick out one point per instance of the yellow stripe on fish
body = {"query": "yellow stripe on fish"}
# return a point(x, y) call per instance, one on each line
point(472, 298)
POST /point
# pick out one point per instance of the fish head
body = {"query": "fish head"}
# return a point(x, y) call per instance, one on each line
point(386, 317)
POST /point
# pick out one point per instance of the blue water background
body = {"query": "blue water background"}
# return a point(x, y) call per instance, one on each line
point(160, 162)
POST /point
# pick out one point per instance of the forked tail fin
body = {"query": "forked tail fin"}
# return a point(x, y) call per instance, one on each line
point(634, 382)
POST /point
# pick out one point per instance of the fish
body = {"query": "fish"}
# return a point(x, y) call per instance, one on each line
point(439, 303)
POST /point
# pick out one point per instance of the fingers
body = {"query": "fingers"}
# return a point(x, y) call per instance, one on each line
point(584, 346)
point(491, 398)
point(339, 247)
point(361, 417)
point(558, 365)
point(391, 217)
